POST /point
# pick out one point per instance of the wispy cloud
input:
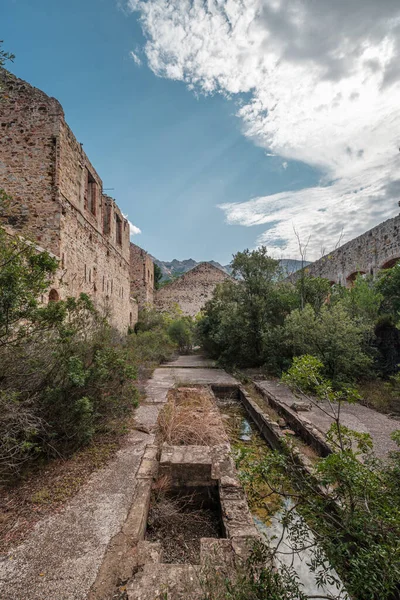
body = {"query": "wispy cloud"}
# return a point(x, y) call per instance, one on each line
point(135, 58)
point(324, 85)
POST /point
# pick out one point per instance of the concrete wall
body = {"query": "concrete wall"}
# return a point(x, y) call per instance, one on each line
point(58, 201)
point(142, 276)
point(190, 291)
point(376, 249)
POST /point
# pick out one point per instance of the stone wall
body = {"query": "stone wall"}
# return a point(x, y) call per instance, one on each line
point(57, 200)
point(376, 249)
point(190, 291)
point(29, 126)
point(142, 276)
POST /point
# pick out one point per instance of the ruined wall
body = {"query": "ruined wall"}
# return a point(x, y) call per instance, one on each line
point(376, 249)
point(192, 290)
point(94, 255)
point(29, 125)
point(142, 276)
point(58, 201)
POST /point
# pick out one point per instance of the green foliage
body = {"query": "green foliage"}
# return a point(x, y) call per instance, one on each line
point(63, 385)
point(312, 290)
point(181, 333)
point(241, 323)
point(332, 336)
point(253, 579)
point(157, 276)
point(5, 56)
point(363, 301)
point(25, 274)
point(388, 285)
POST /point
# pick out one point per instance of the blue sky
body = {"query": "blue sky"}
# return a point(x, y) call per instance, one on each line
point(190, 172)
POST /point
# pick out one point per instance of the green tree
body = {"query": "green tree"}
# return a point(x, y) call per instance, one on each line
point(312, 290)
point(25, 274)
point(181, 333)
point(241, 323)
point(332, 336)
point(388, 284)
point(157, 276)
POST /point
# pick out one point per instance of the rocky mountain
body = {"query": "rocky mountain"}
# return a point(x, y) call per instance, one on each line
point(175, 268)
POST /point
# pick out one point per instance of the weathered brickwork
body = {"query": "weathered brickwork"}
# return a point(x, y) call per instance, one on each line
point(192, 290)
point(57, 201)
point(376, 249)
point(142, 276)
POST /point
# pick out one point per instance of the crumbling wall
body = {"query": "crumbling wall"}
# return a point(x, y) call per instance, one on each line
point(59, 203)
point(376, 249)
point(192, 290)
point(142, 276)
point(29, 127)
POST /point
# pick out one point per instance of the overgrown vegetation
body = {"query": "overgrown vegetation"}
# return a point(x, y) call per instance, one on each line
point(65, 375)
point(329, 340)
point(263, 319)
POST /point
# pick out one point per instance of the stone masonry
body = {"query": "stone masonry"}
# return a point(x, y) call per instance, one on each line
point(58, 201)
point(142, 276)
point(376, 249)
point(192, 290)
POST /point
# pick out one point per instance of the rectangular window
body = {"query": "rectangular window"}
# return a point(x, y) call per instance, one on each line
point(90, 193)
point(118, 229)
point(107, 219)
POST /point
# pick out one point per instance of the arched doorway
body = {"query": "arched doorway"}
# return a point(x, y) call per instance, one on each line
point(390, 263)
point(54, 296)
point(350, 279)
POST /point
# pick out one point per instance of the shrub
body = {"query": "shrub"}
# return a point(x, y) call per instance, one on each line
point(332, 336)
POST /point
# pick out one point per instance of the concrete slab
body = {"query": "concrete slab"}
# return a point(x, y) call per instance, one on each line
point(355, 416)
point(62, 556)
point(191, 361)
point(201, 376)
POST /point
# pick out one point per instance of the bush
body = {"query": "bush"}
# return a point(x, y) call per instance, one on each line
point(332, 336)
point(181, 332)
point(61, 387)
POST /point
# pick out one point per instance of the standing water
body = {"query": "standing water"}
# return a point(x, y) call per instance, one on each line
point(248, 444)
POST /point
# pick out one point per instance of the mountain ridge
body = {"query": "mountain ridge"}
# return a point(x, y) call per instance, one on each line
point(176, 268)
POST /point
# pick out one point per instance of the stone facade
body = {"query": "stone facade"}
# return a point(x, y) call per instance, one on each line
point(192, 290)
point(376, 249)
point(142, 276)
point(58, 201)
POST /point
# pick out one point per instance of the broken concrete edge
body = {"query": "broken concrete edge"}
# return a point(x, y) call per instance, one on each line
point(305, 430)
point(120, 559)
point(273, 434)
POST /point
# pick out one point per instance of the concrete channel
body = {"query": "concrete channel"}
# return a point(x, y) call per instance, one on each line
point(98, 547)
point(211, 468)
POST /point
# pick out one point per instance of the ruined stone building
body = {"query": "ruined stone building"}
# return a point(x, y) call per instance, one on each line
point(142, 276)
point(190, 291)
point(58, 201)
point(378, 248)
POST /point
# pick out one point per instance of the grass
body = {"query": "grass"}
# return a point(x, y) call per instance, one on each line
point(190, 417)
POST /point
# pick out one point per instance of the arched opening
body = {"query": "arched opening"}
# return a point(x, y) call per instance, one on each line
point(390, 263)
point(350, 279)
point(54, 296)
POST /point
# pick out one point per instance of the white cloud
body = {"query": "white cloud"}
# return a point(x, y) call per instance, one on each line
point(323, 82)
point(133, 229)
point(135, 58)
